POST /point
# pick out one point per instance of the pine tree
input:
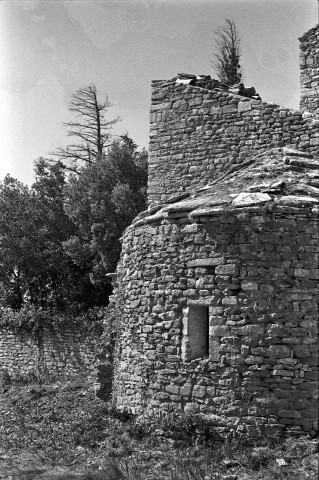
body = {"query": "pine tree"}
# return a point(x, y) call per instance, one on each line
point(228, 53)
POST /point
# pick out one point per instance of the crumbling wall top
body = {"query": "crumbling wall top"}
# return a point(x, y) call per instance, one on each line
point(281, 179)
point(309, 70)
point(197, 134)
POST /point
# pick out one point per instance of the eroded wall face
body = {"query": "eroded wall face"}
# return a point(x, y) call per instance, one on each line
point(258, 276)
point(197, 134)
point(309, 71)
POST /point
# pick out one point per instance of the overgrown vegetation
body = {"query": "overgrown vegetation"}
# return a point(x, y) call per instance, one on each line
point(63, 431)
point(33, 320)
point(59, 237)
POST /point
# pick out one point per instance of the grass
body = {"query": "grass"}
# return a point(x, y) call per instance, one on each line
point(62, 431)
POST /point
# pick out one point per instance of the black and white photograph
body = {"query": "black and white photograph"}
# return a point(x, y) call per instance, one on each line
point(159, 239)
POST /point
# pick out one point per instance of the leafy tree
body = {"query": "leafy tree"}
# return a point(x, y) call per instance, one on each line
point(16, 251)
point(69, 283)
point(59, 238)
point(102, 201)
point(90, 130)
point(55, 227)
point(34, 267)
point(228, 53)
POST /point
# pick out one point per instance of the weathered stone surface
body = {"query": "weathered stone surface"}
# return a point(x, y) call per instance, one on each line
point(296, 200)
point(206, 262)
point(255, 334)
point(230, 269)
point(309, 71)
point(292, 152)
point(249, 285)
point(67, 352)
point(279, 351)
point(246, 199)
point(212, 133)
point(237, 279)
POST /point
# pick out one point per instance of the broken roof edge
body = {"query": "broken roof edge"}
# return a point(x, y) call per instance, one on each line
point(288, 205)
point(292, 185)
point(157, 99)
point(205, 82)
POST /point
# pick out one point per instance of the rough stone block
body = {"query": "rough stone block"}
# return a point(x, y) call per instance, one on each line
point(279, 351)
point(289, 413)
point(301, 351)
point(186, 390)
point(219, 331)
point(216, 320)
point(230, 109)
point(249, 285)
point(244, 106)
point(172, 389)
point(199, 391)
point(134, 304)
point(254, 359)
point(161, 106)
point(250, 330)
point(231, 300)
point(229, 269)
point(206, 262)
point(283, 373)
point(248, 199)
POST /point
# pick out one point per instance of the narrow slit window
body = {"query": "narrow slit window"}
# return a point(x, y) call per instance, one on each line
point(195, 341)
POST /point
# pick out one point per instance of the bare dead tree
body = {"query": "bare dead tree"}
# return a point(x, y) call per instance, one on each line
point(227, 54)
point(91, 130)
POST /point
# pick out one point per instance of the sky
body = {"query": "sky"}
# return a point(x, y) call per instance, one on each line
point(51, 48)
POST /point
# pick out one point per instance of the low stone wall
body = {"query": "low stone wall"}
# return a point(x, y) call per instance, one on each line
point(309, 70)
point(256, 276)
point(62, 353)
point(197, 134)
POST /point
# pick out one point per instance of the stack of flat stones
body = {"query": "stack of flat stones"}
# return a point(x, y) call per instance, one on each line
point(289, 179)
point(205, 81)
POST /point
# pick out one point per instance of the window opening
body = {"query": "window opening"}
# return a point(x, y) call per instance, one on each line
point(195, 341)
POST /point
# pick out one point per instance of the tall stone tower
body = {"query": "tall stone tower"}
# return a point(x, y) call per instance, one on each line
point(217, 286)
point(309, 70)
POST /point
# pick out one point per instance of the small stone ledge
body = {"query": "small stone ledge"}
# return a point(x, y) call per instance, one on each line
point(206, 262)
point(292, 152)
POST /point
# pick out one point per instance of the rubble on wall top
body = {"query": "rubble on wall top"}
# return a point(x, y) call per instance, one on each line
point(281, 179)
point(205, 81)
point(305, 36)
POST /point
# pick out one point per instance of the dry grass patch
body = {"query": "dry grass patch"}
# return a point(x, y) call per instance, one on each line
point(63, 432)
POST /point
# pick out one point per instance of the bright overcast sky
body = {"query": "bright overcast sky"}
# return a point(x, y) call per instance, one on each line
point(51, 48)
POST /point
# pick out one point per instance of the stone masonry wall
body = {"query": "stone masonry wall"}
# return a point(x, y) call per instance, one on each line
point(257, 273)
point(197, 134)
point(64, 353)
point(309, 70)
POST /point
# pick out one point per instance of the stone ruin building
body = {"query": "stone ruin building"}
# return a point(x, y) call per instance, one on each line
point(217, 285)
